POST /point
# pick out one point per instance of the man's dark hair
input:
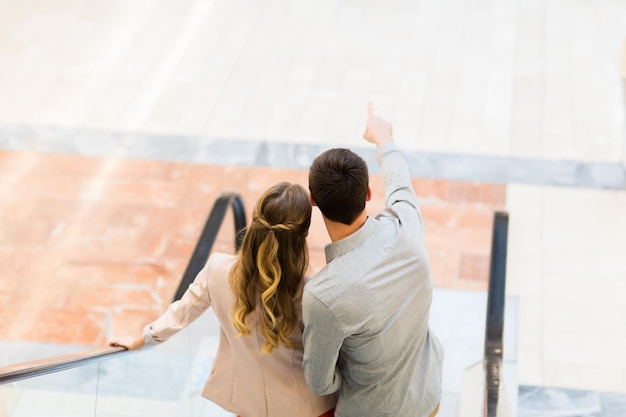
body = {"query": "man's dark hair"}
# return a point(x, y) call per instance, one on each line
point(338, 181)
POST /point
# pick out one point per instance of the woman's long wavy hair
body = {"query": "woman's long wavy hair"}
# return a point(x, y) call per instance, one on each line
point(271, 264)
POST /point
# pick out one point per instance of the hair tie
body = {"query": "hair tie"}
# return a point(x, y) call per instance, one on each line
point(264, 223)
point(274, 228)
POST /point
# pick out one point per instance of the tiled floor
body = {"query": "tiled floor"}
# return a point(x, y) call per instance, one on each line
point(462, 80)
point(567, 264)
point(521, 79)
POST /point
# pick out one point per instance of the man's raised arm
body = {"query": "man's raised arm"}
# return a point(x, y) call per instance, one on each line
point(398, 187)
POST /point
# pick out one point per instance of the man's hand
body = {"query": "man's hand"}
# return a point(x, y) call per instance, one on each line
point(377, 130)
point(129, 342)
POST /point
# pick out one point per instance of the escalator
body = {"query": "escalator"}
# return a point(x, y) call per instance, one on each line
point(166, 380)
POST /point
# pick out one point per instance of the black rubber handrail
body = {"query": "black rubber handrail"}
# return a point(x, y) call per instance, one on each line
point(25, 370)
point(209, 233)
point(492, 360)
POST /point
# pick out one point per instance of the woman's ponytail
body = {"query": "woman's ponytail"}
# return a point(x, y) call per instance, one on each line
point(271, 265)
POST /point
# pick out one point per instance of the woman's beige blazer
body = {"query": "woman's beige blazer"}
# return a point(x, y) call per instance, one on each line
point(242, 380)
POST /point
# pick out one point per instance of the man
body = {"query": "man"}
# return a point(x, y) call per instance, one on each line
point(366, 312)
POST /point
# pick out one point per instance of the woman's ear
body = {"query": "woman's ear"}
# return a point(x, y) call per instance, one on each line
point(313, 203)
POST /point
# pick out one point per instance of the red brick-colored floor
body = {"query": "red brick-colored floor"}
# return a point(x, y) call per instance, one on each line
point(94, 247)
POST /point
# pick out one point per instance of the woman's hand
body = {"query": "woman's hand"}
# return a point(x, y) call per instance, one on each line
point(377, 130)
point(129, 342)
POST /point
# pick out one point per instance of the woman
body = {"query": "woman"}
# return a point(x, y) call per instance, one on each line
point(256, 297)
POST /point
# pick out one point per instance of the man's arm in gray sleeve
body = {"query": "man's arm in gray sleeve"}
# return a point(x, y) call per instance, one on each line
point(322, 339)
point(396, 177)
point(398, 187)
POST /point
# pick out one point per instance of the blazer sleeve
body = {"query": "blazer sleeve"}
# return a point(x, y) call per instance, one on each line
point(195, 301)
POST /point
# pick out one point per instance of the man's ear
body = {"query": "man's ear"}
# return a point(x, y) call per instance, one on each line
point(368, 195)
point(313, 203)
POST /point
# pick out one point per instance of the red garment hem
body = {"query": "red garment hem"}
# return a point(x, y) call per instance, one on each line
point(329, 413)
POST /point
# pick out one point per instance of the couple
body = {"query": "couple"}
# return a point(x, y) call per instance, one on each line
point(356, 336)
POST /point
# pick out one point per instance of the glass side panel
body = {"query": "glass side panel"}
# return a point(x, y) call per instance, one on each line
point(165, 380)
point(71, 393)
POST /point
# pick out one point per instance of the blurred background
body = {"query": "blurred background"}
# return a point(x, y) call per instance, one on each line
point(121, 121)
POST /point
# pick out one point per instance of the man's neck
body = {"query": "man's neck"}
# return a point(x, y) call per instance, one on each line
point(338, 231)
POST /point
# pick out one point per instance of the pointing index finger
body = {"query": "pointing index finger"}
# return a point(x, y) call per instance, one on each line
point(370, 109)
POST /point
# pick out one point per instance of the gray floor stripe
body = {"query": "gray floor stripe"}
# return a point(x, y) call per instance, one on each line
point(200, 149)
